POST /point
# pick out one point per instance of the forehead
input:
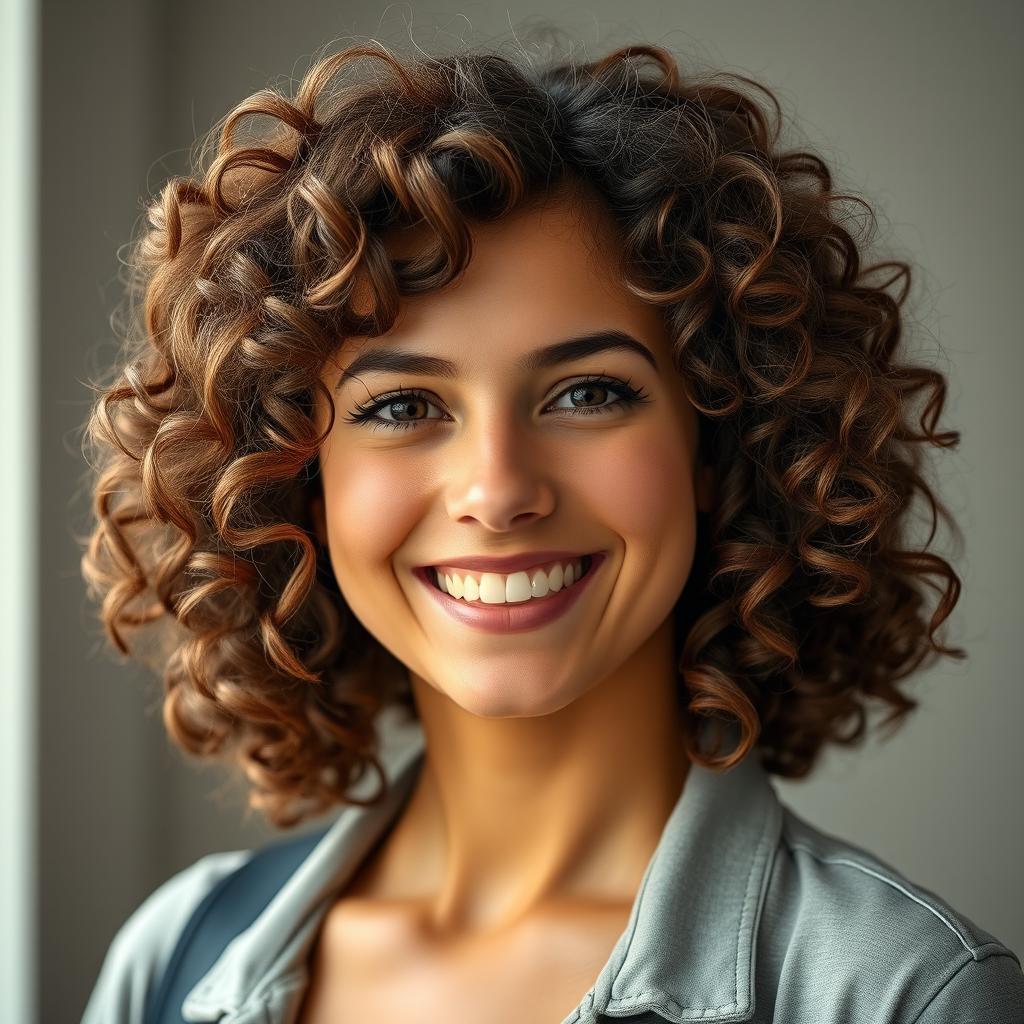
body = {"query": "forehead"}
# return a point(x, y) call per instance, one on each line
point(568, 219)
point(546, 271)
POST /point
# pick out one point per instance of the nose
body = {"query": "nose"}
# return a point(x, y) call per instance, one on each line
point(501, 478)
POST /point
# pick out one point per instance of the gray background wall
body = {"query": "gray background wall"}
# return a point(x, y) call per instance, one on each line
point(913, 105)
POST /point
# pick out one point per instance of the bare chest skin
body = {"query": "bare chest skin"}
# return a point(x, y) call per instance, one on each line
point(374, 972)
point(372, 962)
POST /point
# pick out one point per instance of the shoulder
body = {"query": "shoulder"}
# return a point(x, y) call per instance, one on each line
point(845, 929)
point(140, 950)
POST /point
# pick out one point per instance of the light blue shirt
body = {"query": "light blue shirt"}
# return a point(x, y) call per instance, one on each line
point(745, 913)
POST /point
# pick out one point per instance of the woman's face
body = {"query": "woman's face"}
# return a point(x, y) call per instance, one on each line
point(498, 459)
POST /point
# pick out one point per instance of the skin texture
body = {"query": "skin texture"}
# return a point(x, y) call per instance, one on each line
point(553, 756)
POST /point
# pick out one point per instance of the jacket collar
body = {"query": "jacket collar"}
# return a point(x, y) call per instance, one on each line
point(687, 952)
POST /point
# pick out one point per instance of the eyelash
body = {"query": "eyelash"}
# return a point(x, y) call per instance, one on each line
point(367, 413)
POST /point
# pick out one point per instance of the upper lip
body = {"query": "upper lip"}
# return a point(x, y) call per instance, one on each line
point(507, 563)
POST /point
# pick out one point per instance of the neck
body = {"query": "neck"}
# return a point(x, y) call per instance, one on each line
point(513, 815)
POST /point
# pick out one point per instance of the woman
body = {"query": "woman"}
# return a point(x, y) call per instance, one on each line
point(537, 439)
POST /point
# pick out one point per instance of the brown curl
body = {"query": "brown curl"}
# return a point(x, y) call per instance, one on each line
point(806, 601)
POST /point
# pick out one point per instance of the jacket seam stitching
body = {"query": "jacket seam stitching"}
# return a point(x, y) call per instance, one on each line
point(641, 895)
point(942, 988)
point(661, 998)
point(889, 881)
point(657, 997)
point(752, 901)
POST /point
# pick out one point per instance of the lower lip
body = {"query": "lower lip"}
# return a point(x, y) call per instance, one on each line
point(511, 618)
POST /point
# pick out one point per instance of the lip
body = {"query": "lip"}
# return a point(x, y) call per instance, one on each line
point(511, 618)
point(507, 563)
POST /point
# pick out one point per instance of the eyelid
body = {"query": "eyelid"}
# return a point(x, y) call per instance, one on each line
point(402, 390)
point(630, 395)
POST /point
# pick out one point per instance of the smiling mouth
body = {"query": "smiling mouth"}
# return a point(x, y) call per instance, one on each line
point(430, 574)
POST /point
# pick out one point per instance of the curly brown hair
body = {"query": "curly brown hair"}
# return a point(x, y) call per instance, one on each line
point(806, 597)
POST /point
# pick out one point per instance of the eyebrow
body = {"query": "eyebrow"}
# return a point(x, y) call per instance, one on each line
point(398, 360)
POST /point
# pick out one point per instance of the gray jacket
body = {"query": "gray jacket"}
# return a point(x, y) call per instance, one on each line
point(745, 913)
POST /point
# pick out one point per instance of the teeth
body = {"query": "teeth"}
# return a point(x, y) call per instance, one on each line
point(513, 588)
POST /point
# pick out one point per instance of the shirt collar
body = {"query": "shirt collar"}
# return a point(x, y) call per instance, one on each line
point(686, 953)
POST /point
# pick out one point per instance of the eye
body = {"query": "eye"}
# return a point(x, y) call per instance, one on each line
point(406, 399)
point(403, 400)
point(600, 387)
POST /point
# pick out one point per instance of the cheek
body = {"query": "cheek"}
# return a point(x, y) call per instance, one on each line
point(372, 505)
point(649, 503)
point(647, 497)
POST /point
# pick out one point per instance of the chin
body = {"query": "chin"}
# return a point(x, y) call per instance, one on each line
point(507, 698)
